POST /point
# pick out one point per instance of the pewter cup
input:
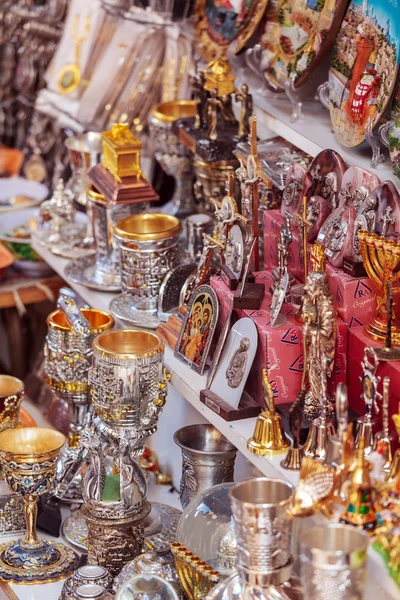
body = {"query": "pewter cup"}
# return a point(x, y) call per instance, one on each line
point(196, 227)
point(85, 152)
point(263, 531)
point(149, 251)
point(208, 458)
point(333, 562)
point(173, 156)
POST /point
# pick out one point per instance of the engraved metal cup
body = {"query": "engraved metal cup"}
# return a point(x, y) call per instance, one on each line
point(208, 458)
point(85, 152)
point(263, 530)
point(149, 251)
point(128, 388)
point(11, 395)
point(29, 457)
point(68, 358)
point(333, 562)
point(173, 156)
point(211, 178)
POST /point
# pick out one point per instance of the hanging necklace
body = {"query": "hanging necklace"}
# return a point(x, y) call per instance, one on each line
point(70, 76)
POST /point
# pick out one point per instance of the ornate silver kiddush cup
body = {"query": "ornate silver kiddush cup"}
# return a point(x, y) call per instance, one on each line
point(333, 562)
point(174, 157)
point(208, 458)
point(85, 152)
point(68, 357)
point(149, 251)
point(128, 388)
point(263, 530)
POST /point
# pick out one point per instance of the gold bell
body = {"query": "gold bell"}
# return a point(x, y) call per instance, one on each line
point(269, 436)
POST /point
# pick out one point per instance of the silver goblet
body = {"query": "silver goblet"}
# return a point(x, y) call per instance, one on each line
point(173, 156)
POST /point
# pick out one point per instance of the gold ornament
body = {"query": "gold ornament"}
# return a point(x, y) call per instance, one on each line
point(69, 77)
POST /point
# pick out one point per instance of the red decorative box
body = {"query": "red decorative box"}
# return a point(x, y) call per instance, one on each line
point(357, 341)
point(282, 345)
point(355, 299)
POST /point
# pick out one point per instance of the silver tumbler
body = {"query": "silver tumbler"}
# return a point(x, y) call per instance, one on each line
point(173, 156)
point(149, 251)
point(208, 458)
point(263, 530)
point(333, 562)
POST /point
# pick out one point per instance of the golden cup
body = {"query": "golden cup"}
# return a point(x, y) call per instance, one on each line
point(29, 456)
point(11, 394)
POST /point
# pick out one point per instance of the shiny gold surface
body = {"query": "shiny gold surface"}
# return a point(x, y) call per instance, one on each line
point(168, 112)
point(126, 343)
point(148, 227)
point(195, 576)
point(93, 195)
point(10, 386)
point(31, 441)
point(99, 320)
point(121, 152)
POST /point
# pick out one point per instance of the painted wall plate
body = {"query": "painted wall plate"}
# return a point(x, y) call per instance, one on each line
point(364, 67)
point(221, 22)
point(296, 36)
point(235, 362)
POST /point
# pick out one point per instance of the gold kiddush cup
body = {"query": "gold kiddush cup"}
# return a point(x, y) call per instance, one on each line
point(29, 456)
point(11, 395)
point(149, 251)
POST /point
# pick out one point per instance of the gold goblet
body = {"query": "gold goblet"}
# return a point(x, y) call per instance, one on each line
point(11, 394)
point(29, 457)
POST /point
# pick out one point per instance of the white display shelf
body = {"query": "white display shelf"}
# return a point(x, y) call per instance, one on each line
point(189, 384)
point(313, 133)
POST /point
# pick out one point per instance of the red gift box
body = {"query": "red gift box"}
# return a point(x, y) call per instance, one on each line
point(357, 341)
point(355, 298)
point(282, 345)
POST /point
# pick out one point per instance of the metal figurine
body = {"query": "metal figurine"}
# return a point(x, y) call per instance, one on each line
point(295, 453)
point(316, 445)
point(314, 492)
point(201, 97)
point(269, 436)
point(214, 105)
point(319, 331)
point(246, 109)
point(384, 439)
point(285, 238)
point(388, 352)
point(303, 223)
point(317, 257)
point(370, 395)
point(335, 444)
point(237, 364)
point(387, 219)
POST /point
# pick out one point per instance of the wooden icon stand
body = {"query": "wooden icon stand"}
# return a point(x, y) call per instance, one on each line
point(247, 407)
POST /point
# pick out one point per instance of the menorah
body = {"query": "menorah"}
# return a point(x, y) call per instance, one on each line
point(195, 576)
point(381, 258)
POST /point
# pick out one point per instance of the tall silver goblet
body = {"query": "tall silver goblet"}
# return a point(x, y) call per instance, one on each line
point(173, 156)
point(85, 152)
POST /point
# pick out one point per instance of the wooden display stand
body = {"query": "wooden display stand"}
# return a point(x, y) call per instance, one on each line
point(231, 281)
point(247, 406)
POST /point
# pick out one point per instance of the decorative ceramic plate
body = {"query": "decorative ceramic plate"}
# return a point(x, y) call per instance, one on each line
point(221, 22)
point(363, 68)
point(296, 36)
point(160, 528)
point(17, 193)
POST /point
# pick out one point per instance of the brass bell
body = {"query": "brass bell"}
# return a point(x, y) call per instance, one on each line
point(269, 436)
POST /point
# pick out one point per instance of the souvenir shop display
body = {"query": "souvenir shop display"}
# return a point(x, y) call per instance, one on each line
point(390, 133)
point(226, 275)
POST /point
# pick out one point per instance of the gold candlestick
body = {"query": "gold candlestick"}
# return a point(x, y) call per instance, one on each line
point(381, 257)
